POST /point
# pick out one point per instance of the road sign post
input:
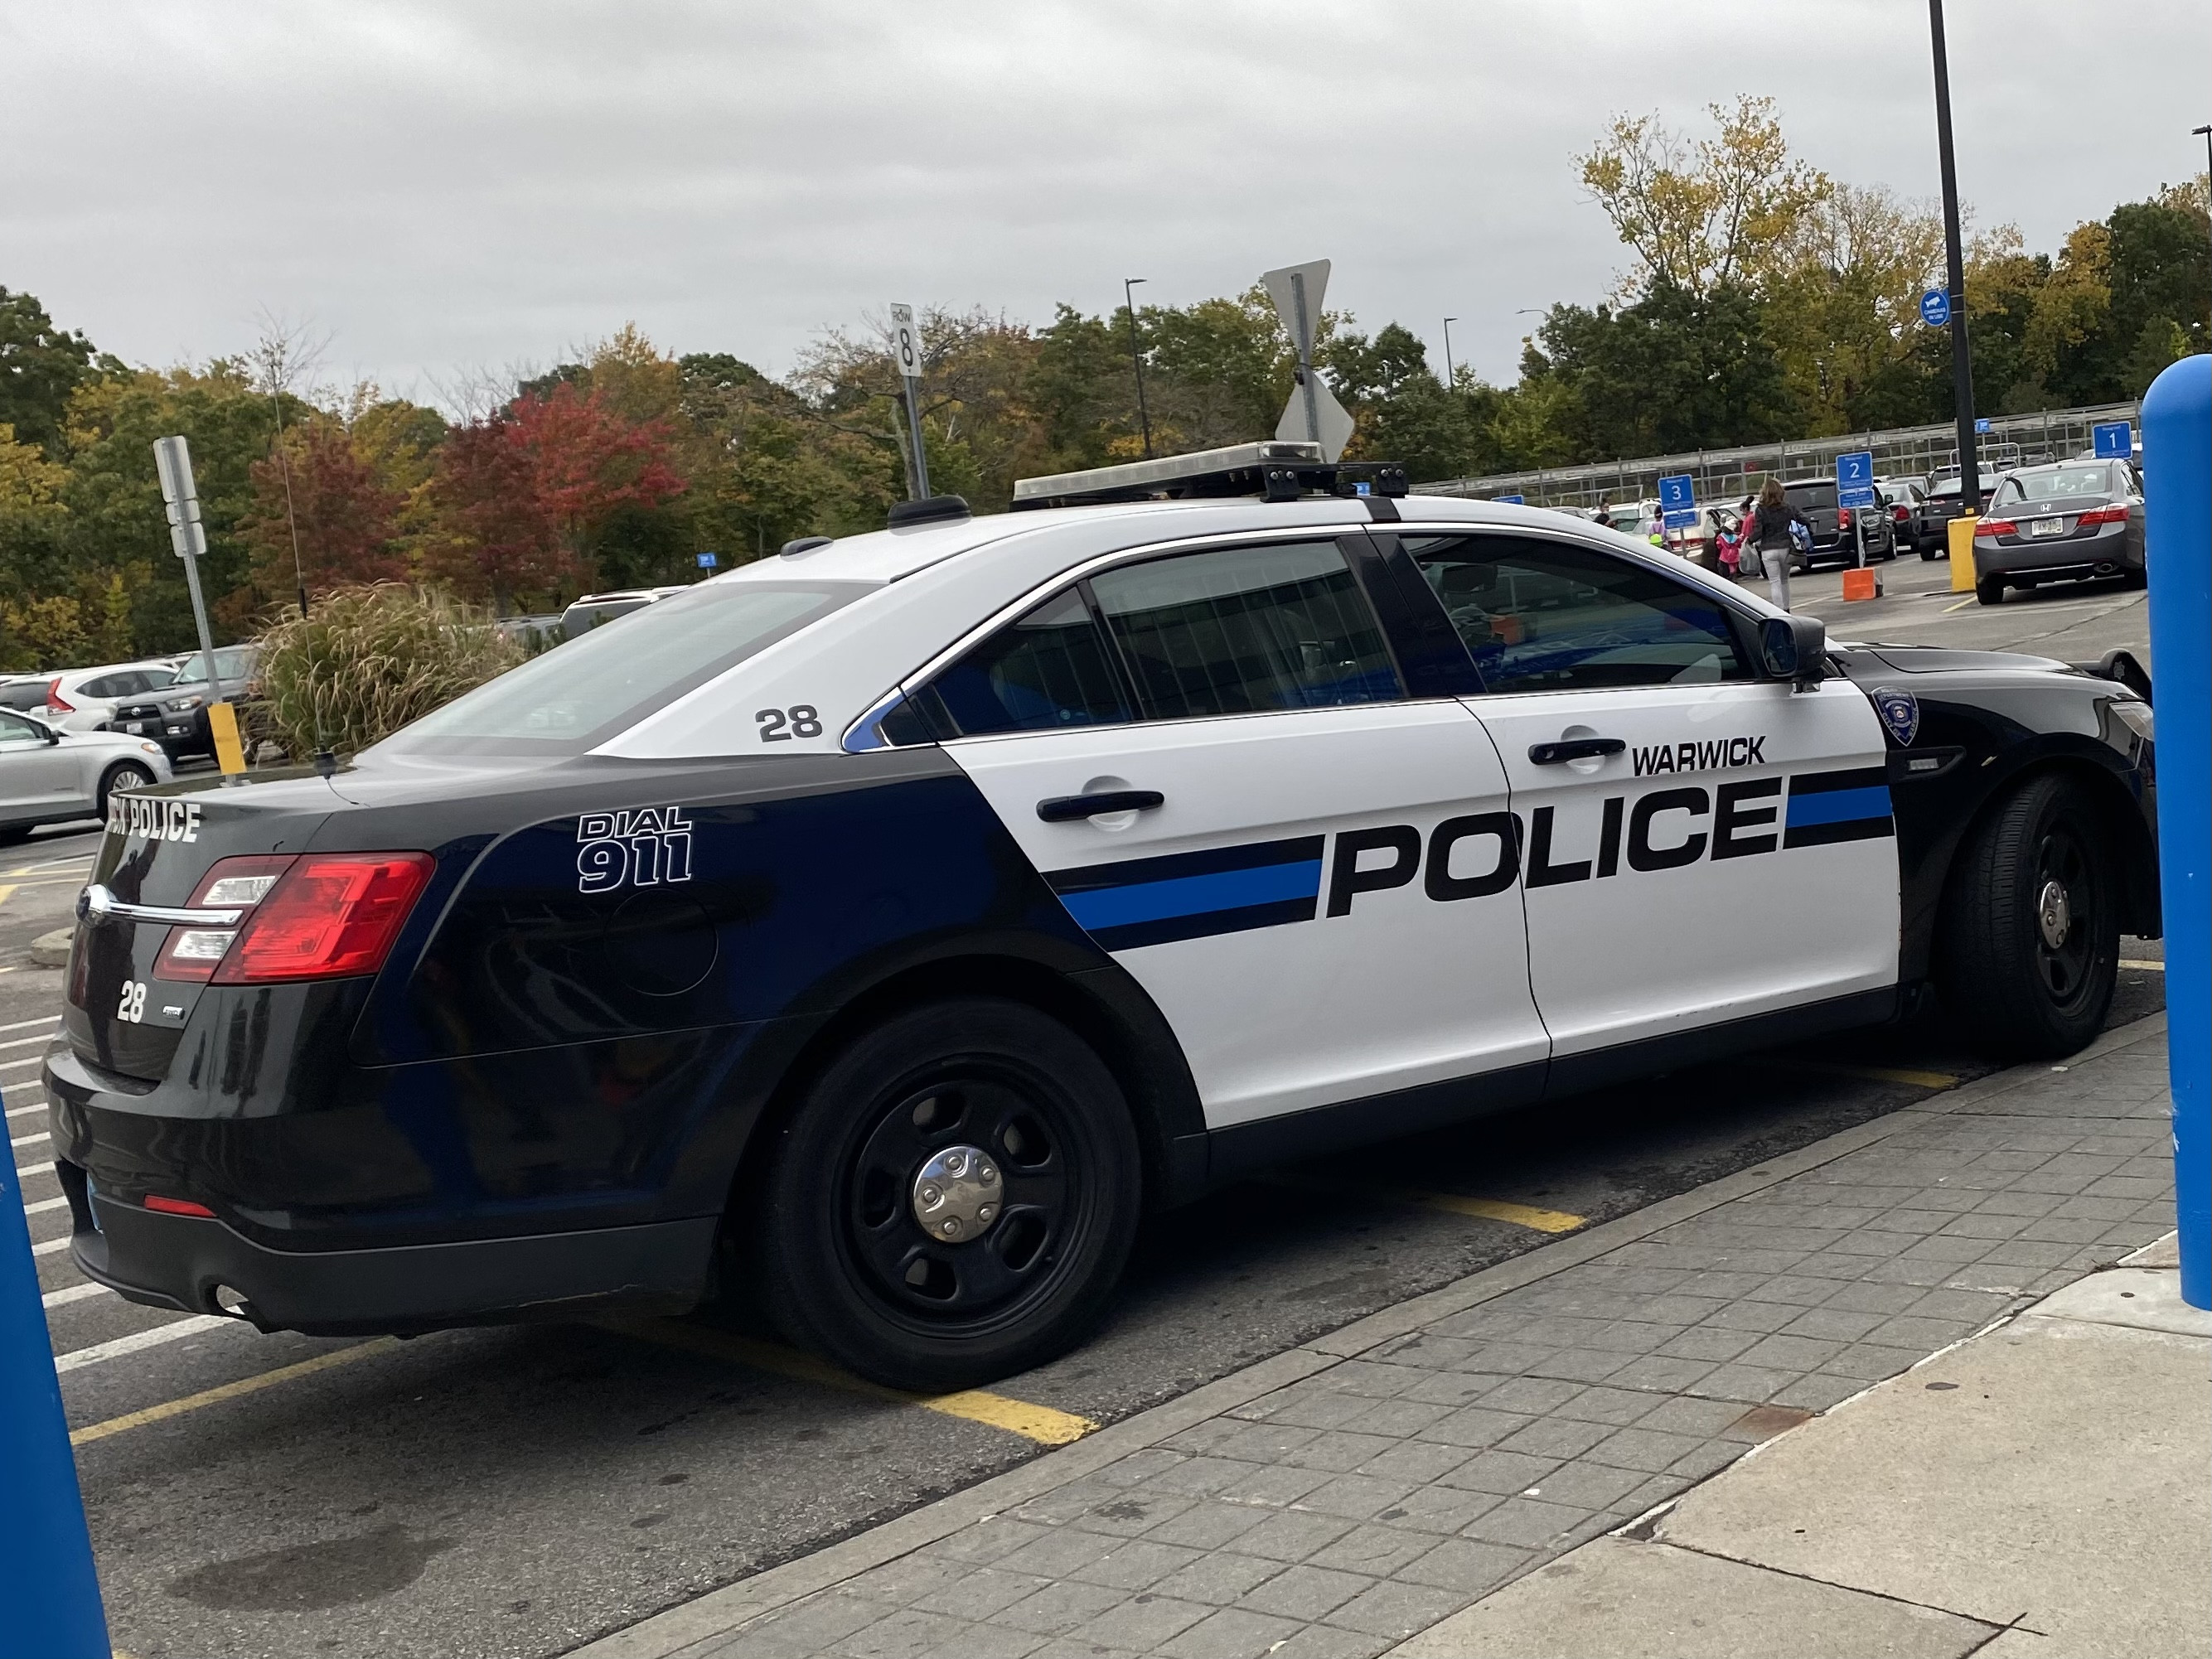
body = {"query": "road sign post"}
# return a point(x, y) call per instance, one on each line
point(2177, 434)
point(49, 1593)
point(906, 353)
point(1314, 414)
point(180, 499)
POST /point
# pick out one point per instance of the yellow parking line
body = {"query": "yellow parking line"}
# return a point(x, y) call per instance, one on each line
point(1961, 605)
point(1488, 1209)
point(1874, 1073)
point(1041, 1424)
point(193, 1402)
point(9, 891)
point(2152, 966)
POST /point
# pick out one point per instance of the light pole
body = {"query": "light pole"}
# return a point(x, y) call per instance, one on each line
point(1137, 359)
point(2205, 133)
point(1962, 366)
point(1451, 374)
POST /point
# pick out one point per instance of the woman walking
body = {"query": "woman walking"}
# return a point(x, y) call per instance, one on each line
point(1770, 530)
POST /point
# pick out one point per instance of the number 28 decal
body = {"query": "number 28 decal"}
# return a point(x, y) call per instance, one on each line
point(132, 1006)
point(801, 720)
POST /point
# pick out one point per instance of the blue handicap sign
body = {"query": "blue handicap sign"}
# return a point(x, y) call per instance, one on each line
point(707, 562)
point(1855, 480)
point(1517, 501)
point(1935, 307)
point(1677, 501)
point(2115, 440)
point(1982, 424)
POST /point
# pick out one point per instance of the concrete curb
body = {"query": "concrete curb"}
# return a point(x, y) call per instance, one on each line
point(52, 950)
point(668, 1634)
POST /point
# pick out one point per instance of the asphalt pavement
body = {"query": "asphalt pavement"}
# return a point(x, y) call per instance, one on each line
point(518, 1491)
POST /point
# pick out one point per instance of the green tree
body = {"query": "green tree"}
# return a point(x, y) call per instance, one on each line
point(40, 365)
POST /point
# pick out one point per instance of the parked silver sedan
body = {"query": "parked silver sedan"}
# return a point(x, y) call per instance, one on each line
point(48, 776)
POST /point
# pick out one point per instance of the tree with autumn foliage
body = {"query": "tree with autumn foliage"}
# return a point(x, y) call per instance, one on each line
point(322, 517)
point(523, 493)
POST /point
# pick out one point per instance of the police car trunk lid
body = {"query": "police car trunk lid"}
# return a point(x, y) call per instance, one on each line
point(118, 1014)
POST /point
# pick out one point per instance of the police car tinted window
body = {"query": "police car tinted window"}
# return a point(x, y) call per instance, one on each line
point(579, 694)
point(1545, 617)
point(1243, 629)
point(1048, 671)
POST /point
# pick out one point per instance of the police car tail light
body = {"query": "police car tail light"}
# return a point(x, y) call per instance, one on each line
point(192, 953)
point(331, 917)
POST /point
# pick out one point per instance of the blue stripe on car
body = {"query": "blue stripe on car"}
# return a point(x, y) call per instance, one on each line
point(1182, 895)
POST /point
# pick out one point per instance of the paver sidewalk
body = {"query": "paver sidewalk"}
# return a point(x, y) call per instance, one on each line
point(2041, 1489)
point(1337, 1498)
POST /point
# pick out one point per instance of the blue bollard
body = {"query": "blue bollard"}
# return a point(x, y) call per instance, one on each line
point(49, 1596)
point(2177, 436)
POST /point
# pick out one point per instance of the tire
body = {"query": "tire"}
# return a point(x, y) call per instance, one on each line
point(128, 775)
point(1928, 555)
point(1990, 591)
point(852, 1274)
point(2031, 976)
point(2134, 579)
point(12, 835)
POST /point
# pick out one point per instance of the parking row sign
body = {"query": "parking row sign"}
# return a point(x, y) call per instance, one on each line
point(1855, 480)
point(1678, 501)
point(2115, 440)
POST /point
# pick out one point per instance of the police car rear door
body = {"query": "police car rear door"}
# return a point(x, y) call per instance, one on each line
point(1702, 845)
point(1211, 756)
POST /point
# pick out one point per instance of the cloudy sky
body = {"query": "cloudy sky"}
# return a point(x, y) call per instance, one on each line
point(455, 185)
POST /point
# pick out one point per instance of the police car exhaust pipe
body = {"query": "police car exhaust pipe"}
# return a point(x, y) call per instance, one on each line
point(231, 1302)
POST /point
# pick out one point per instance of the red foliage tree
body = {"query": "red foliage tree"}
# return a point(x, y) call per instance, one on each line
point(524, 491)
point(346, 516)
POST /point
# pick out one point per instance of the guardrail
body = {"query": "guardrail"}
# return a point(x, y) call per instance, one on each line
point(1728, 475)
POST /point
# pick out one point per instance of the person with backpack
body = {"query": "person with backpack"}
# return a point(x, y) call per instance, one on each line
point(1775, 530)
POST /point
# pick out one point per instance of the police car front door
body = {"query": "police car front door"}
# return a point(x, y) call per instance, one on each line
point(1313, 879)
point(1702, 845)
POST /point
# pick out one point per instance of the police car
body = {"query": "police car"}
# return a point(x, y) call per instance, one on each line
point(883, 926)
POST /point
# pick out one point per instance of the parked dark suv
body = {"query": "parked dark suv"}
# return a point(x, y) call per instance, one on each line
point(1835, 536)
point(175, 716)
point(2070, 521)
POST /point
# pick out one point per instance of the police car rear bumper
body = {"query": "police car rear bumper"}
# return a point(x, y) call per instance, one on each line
point(183, 1262)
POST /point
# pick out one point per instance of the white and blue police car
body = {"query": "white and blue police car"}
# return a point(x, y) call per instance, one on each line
point(886, 925)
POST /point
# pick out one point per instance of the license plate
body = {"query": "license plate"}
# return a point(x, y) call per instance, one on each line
point(134, 726)
point(2047, 527)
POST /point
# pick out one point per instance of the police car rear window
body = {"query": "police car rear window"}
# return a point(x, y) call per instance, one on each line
point(577, 696)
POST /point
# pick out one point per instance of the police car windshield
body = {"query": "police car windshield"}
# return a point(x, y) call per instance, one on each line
point(577, 696)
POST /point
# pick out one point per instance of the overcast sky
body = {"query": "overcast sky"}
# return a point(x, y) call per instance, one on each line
point(448, 185)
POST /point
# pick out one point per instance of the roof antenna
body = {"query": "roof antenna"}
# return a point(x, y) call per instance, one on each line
point(279, 354)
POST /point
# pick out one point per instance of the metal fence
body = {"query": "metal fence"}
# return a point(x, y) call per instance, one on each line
point(1728, 475)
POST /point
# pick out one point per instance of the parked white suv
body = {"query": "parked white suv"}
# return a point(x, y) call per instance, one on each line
point(85, 699)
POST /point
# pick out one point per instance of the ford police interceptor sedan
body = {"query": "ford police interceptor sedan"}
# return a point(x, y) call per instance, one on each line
point(882, 927)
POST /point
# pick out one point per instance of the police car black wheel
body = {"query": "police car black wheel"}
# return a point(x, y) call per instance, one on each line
point(954, 1198)
point(2031, 925)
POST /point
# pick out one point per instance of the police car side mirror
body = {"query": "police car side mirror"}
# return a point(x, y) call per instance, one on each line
point(1793, 648)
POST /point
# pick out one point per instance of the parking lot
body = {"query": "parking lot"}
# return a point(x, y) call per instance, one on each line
point(518, 1490)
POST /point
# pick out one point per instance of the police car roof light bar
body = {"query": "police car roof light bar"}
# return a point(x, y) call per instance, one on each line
point(1275, 470)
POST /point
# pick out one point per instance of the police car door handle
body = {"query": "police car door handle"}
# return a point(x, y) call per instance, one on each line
point(1574, 748)
point(1066, 809)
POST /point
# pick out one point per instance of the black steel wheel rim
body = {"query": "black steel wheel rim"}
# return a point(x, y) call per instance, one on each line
point(985, 1282)
point(2066, 970)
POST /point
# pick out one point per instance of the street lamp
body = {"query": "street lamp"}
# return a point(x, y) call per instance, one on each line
point(2205, 133)
point(1450, 373)
point(1137, 359)
point(1962, 366)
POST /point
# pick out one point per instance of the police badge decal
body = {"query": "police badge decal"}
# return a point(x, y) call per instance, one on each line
point(1900, 712)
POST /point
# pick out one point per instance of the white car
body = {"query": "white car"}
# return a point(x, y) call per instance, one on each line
point(85, 699)
point(49, 776)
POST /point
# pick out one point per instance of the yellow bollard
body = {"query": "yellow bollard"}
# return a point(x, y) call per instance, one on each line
point(1960, 532)
point(229, 753)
